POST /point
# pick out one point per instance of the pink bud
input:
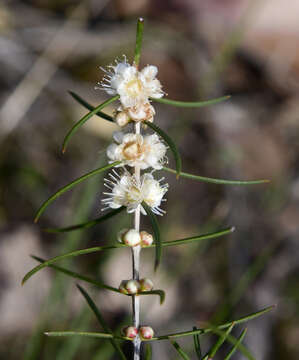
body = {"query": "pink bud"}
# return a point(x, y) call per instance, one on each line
point(146, 284)
point(130, 332)
point(146, 238)
point(146, 332)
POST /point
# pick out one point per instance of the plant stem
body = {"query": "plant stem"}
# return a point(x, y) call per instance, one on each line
point(136, 266)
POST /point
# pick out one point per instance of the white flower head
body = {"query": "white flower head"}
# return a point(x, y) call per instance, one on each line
point(126, 190)
point(137, 150)
point(134, 87)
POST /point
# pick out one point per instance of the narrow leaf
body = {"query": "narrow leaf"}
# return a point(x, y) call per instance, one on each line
point(148, 351)
point(220, 341)
point(84, 119)
point(116, 246)
point(102, 321)
point(69, 255)
point(235, 342)
point(219, 327)
point(191, 104)
point(88, 106)
point(197, 345)
point(89, 280)
point(239, 341)
point(217, 181)
point(139, 36)
point(171, 144)
point(84, 333)
point(196, 238)
point(70, 186)
point(77, 275)
point(87, 224)
point(180, 350)
point(157, 238)
point(161, 293)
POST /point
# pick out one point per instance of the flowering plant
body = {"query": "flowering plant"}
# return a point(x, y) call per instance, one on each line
point(132, 186)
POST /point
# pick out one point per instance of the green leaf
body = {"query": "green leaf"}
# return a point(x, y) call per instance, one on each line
point(161, 293)
point(88, 106)
point(116, 246)
point(217, 181)
point(102, 321)
point(84, 119)
point(89, 280)
point(239, 341)
point(180, 350)
point(77, 275)
point(139, 36)
point(197, 238)
point(197, 344)
point(220, 341)
point(148, 351)
point(84, 333)
point(170, 143)
point(157, 238)
point(219, 327)
point(87, 224)
point(70, 186)
point(235, 342)
point(69, 255)
point(191, 104)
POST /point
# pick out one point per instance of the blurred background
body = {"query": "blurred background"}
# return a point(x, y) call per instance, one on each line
point(204, 49)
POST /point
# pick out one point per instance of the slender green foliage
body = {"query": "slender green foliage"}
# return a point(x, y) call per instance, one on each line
point(148, 352)
point(219, 327)
point(235, 347)
point(83, 120)
point(216, 181)
point(180, 350)
point(116, 246)
point(102, 321)
point(139, 36)
point(219, 342)
point(89, 280)
point(70, 186)
point(81, 101)
point(197, 345)
point(87, 224)
point(191, 104)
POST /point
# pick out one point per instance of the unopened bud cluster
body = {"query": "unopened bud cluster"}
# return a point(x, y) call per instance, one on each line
point(145, 332)
point(132, 237)
point(133, 287)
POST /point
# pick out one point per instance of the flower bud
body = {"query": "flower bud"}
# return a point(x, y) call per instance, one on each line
point(146, 238)
point(122, 119)
point(130, 332)
point(146, 332)
point(132, 287)
point(129, 237)
point(123, 287)
point(146, 284)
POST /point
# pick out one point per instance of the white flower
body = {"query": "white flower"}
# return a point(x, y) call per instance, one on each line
point(127, 191)
point(137, 150)
point(134, 87)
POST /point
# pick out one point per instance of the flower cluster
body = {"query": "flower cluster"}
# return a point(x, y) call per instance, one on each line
point(145, 332)
point(132, 287)
point(137, 150)
point(132, 237)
